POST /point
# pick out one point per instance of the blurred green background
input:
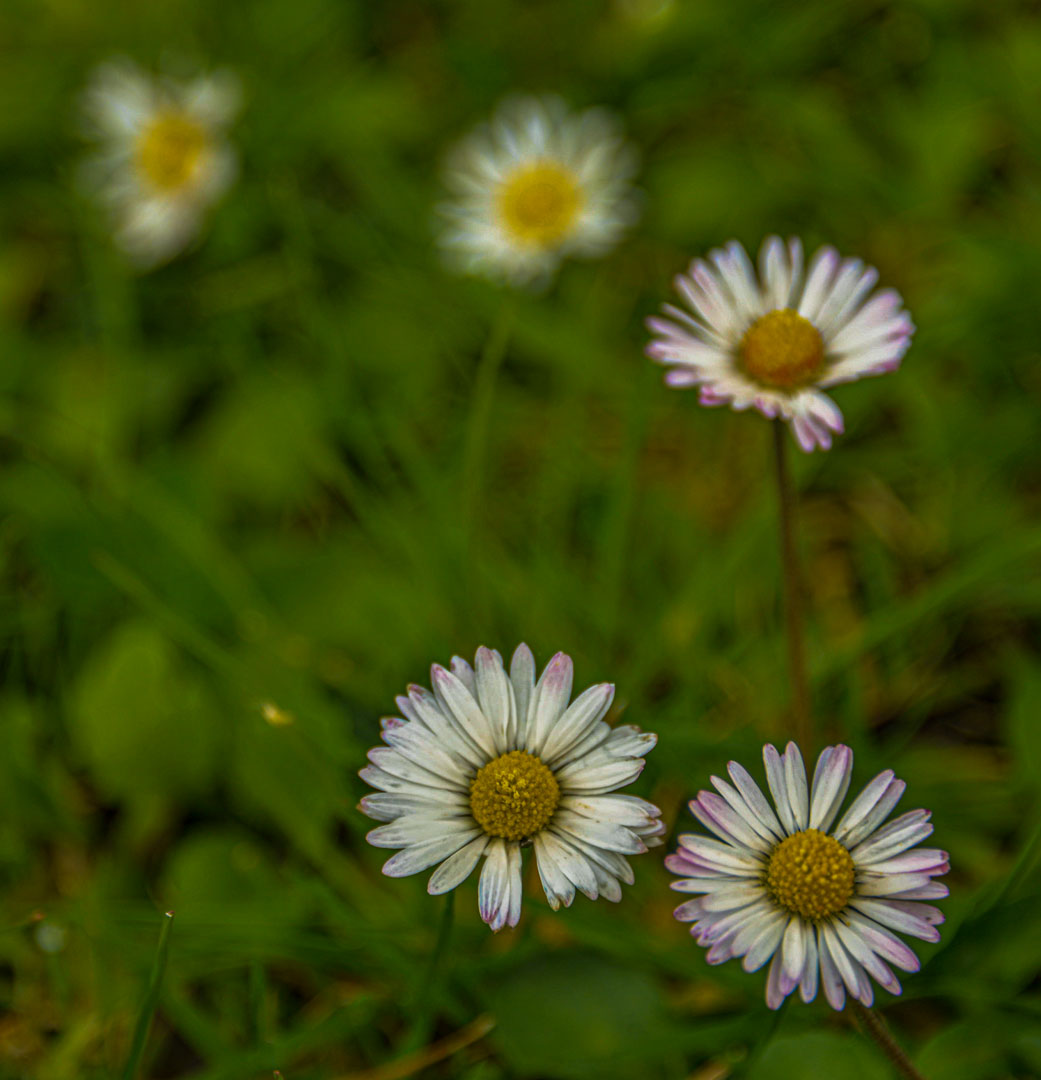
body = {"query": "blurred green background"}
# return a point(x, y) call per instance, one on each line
point(248, 479)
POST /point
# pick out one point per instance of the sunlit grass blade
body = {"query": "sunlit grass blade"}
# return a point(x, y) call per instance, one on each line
point(148, 1004)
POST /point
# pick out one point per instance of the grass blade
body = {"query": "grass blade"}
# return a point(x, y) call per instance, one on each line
point(155, 981)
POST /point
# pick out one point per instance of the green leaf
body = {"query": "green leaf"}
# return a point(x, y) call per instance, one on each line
point(144, 723)
point(824, 1054)
point(568, 1016)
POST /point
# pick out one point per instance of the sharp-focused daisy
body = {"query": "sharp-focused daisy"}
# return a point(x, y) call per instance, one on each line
point(774, 343)
point(823, 902)
point(536, 185)
point(162, 158)
point(491, 763)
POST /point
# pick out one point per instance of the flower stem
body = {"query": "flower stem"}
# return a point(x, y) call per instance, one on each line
point(793, 593)
point(476, 437)
point(872, 1024)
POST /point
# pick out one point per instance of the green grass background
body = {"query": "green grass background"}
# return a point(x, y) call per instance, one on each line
point(250, 477)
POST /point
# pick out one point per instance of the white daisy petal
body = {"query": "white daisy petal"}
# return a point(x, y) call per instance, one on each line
point(586, 777)
point(581, 715)
point(458, 867)
point(522, 675)
point(754, 798)
point(572, 860)
point(902, 916)
point(819, 277)
point(493, 891)
point(602, 834)
point(494, 695)
point(743, 810)
point(863, 804)
point(776, 982)
point(549, 701)
point(833, 988)
point(765, 942)
point(444, 729)
point(793, 947)
point(778, 783)
point(386, 805)
point(421, 749)
point(556, 884)
point(899, 835)
point(795, 782)
point(418, 828)
point(628, 741)
point(458, 702)
point(417, 857)
point(462, 670)
point(830, 784)
point(715, 814)
point(393, 762)
point(811, 969)
point(620, 809)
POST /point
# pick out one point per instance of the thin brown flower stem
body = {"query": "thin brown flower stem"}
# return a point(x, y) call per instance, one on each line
point(794, 616)
point(872, 1024)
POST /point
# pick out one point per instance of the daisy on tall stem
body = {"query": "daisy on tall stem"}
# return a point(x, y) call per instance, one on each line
point(534, 186)
point(774, 342)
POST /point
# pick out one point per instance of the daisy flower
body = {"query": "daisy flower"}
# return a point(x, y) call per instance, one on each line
point(822, 902)
point(489, 764)
point(777, 341)
point(162, 158)
point(536, 185)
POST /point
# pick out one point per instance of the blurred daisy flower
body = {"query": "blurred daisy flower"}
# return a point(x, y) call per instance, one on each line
point(162, 158)
point(534, 186)
point(491, 763)
point(822, 902)
point(777, 341)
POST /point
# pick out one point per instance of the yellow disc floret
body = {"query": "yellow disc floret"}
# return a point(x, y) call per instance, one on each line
point(811, 874)
point(782, 350)
point(538, 204)
point(514, 796)
point(170, 149)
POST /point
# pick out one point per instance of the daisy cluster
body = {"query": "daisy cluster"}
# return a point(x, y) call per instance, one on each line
point(489, 762)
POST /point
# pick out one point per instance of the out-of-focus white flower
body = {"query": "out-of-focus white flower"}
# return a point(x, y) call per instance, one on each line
point(822, 902)
point(777, 341)
point(536, 185)
point(162, 156)
point(491, 763)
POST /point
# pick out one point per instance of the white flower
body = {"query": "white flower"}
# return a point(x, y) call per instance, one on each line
point(534, 186)
point(822, 901)
point(775, 343)
point(489, 764)
point(162, 158)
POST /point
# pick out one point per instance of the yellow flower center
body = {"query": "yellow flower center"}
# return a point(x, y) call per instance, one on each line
point(538, 204)
point(782, 350)
point(514, 796)
point(170, 149)
point(811, 874)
